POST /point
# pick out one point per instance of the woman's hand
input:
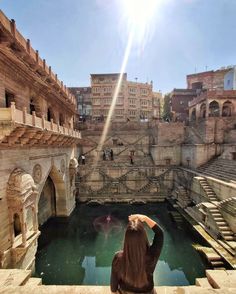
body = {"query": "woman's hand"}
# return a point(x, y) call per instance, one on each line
point(143, 218)
point(140, 217)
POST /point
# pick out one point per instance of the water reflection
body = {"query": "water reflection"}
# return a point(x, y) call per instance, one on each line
point(79, 250)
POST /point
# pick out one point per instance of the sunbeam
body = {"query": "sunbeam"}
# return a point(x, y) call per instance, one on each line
point(116, 93)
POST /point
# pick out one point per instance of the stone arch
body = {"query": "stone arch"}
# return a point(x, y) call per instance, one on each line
point(214, 109)
point(227, 109)
point(60, 190)
point(21, 198)
point(203, 110)
point(47, 202)
point(16, 225)
point(61, 119)
point(193, 115)
point(50, 114)
point(34, 105)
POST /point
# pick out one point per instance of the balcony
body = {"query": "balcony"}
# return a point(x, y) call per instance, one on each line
point(19, 128)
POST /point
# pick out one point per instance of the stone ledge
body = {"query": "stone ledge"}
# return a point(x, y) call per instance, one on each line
point(106, 290)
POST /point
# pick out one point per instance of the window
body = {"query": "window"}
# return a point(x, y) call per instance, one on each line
point(96, 101)
point(9, 97)
point(144, 91)
point(132, 101)
point(132, 113)
point(107, 101)
point(132, 90)
point(107, 89)
point(32, 106)
point(119, 111)
point(234, 155)
point(17, 225)
point(96, 89)
point(144, 102)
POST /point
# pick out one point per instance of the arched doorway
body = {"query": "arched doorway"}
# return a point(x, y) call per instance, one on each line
point(47, 202)
point(227, 109)
point(214, 109)
point(193, 115)
point(203, 110)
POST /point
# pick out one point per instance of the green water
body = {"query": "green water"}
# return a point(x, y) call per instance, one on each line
point(79, 250)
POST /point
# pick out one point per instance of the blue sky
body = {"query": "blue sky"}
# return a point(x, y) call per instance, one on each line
point(79, 37)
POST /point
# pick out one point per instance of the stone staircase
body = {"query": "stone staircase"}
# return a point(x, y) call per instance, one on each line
point(193, 136)
point(225, 231)
point(183, 197)
point(213, 259)
point(177, 218)
point(220, 168)
point(211, 195)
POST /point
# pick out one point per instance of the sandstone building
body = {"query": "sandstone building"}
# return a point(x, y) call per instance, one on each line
point(197, 84)
point(84, 101)
point(135, 100)
point(37, 147)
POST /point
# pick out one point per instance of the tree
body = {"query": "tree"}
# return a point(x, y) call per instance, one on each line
point(166, 114)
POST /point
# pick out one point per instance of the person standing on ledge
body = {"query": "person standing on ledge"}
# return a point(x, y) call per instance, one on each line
point(83, 158)
point(132, 269)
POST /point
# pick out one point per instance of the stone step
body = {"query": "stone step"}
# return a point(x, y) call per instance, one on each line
point(13, 277)
point(211, 194)
point(229, 238)
point(218, 219)
point(215, 214)
point(34, 282)
point(223, 228)
point(221, 278)
point(202, 282)
point(227, 233)
point(221, 224)
point(217, 263)
point(214, 209)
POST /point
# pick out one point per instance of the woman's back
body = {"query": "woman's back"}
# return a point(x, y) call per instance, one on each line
point(132, 268)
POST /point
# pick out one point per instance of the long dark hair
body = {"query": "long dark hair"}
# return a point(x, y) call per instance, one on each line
point(134, 255)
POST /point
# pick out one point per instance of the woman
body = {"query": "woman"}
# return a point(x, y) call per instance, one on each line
point(132, 268)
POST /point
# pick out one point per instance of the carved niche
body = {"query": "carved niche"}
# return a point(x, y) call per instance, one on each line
point(21, 197)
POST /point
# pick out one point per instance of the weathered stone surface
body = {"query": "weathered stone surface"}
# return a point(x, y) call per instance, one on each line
point(13, 277)
point(221, 279)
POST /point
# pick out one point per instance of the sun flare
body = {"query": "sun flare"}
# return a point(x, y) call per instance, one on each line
point(139, 16)
point(139, 12)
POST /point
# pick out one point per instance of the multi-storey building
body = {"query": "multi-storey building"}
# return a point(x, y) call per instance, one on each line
point(197, 86)
point(134, 100)
point(179, 99)
point(208, 80)
point(84, 101)
point(37, 147)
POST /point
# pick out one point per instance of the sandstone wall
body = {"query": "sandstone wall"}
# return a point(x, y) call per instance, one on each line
point(166, 154)
point(39, 163)
point(196, 155)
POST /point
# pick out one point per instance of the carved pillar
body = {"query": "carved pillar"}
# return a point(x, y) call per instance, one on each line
point(207, 108)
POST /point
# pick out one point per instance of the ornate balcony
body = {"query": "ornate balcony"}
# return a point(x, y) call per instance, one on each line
point(19, 128)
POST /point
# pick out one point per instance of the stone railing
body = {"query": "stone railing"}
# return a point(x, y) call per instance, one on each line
point(17, 116)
